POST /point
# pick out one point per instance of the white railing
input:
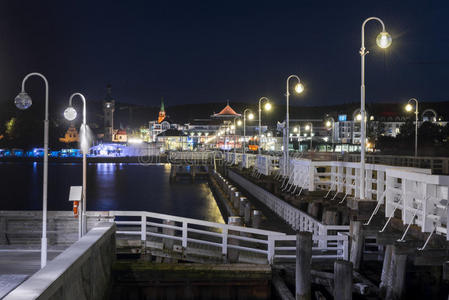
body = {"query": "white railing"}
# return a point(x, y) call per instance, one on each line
point(421, 198)
point(191, 235)
point(266, 164)
point(293, 216)
point(331, 246)
point(248, 160)
point(192, 157)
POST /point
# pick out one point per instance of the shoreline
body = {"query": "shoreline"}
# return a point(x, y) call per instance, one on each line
point(126, 159)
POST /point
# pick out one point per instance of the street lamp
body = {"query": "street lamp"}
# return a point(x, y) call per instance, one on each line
point(309, 127)
point(23, 101)
point(299, 88)
point(70, 114)
point(330, 124)
point(267, 107)
point(383, 40)
point(250, 116)
point(409, 108)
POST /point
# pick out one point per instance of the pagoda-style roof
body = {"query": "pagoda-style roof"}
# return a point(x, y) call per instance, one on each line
point(226, 112)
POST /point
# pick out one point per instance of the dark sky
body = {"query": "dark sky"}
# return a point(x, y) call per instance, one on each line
point(211, 51)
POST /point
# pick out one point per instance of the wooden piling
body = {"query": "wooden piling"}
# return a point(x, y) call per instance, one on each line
point(396, 278)
point(256, 218)
point(303, 265)
point(357, 239)
point(247, 213)
point(342, 280)
point(243, 201)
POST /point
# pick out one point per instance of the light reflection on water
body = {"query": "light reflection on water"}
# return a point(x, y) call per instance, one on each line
point(111, 186)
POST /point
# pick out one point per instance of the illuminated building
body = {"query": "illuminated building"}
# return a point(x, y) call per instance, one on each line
point(71, 136)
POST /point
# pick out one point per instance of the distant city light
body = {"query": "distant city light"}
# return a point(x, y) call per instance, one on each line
point(135, 141)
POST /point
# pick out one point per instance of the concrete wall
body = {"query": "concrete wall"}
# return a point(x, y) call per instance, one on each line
point(25, 227)
point(83, 271)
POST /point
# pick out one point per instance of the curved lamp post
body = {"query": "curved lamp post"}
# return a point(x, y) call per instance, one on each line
point(299, 88)
point(267, 107)
point(23, 101)
point(70, 114)
point(309, 127)
point(250, 116)
point(383, 40)
point(330, 124)
point(409, 107)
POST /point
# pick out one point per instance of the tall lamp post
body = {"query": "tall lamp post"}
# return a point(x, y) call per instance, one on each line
point(299, 88)
point(23, 101)
point(409, 107)
point(383, 40)
point(70, 114)
point(309, 127)
point(267, 107)
point(250, 116)
point(330, 124)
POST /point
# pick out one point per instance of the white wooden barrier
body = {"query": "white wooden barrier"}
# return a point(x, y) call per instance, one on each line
point(290, 214)
point(421, 198)
point(248, 160)
point(147, 224)
point(266, 164)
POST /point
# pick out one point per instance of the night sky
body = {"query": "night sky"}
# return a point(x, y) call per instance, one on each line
point(212, 51)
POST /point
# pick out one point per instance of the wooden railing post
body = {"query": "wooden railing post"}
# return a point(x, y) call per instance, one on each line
point(184, 234)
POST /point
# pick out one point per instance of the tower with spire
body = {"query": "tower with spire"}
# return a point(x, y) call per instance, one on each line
point(161, 116)
point(108, 109)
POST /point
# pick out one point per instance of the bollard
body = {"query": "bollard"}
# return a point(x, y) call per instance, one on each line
point(303, 265)
point(231, 192)
point(342, 280)
point(236, 200)
point(257, 217)
point(233, 254)
point(247, 213)
point(243, 201)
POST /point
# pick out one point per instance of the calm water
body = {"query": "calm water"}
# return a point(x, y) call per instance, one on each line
point(111, 186)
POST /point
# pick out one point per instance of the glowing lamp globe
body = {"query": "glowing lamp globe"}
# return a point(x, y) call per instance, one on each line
point(409, 107)
point(359, 117)
point(295, 129)
point(23, 101)
point(70, 113)
point(267, 106)
point(328, 124)
point(383, 40)
point(239, 123)
point(251, 116)
point(308, 127)
point(299, 88)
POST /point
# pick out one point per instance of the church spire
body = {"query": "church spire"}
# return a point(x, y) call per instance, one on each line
point(161, 116)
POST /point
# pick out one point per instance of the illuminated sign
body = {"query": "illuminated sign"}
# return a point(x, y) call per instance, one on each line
point(342, 118)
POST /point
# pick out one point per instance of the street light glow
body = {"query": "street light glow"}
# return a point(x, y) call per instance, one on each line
point(358, 117)
point(299, 88)
point(328, 124)
point(383, 40)
point(70, 113)
point(23, 101)
point(239, 123)
point(307, 127)
point(267, 106)
point(251, 116)
point(408, 107)
point(295, 129)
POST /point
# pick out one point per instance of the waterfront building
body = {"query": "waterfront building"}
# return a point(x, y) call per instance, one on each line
point(119, 136)
point(71, 136)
